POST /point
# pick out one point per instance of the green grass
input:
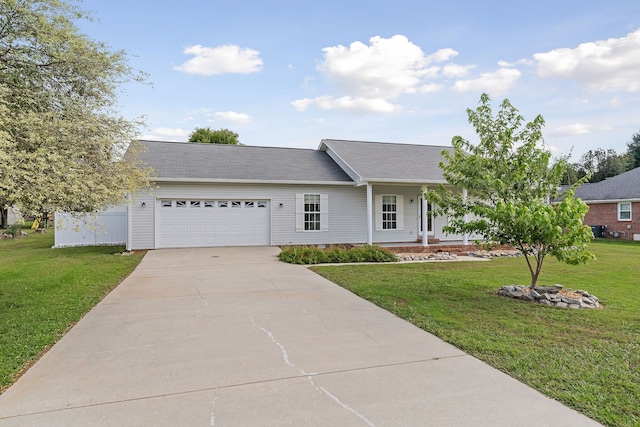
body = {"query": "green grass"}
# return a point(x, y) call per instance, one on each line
point(44, 291)
point(587, 359)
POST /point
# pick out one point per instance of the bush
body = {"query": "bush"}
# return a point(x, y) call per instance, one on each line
point(313, 255)
point(14, 229)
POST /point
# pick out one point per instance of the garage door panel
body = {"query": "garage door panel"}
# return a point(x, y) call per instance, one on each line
point(197, 223)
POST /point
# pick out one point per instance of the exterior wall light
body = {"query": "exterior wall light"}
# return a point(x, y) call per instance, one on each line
point(143, 204)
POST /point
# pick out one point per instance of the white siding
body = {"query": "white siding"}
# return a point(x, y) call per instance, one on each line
point(410, 209)
point(106, 228)
point(346, 217)
point(347, 222)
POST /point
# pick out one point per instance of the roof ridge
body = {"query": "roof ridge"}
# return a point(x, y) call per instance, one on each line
point(386, 143)
point(201, 144)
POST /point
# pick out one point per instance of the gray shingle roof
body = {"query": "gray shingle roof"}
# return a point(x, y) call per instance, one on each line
point(380, 161)
point(625, 186)
point(176, 160)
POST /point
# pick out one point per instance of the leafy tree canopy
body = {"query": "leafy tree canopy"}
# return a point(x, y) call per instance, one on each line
point(61, 140)
point(511, 183)
point(219, 136)
point(633, 151)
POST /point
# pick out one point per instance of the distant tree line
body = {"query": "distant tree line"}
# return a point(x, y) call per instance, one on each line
point(603, 164)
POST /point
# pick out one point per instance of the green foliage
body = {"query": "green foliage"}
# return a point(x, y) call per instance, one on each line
point(220, 136)
point(312, 255)
point(61, 140)
point(44, 291)
point(633, 151)
point(601, 164)
point(14, 229)
point(511, 182)
point(586, 359)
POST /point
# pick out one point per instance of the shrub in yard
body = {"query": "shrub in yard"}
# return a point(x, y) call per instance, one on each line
point(314, 255)
point(14, 229)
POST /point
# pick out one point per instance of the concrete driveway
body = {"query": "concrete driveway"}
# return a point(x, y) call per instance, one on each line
point(233, 337)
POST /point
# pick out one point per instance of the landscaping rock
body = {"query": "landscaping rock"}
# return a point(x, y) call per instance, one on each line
point(495, 253)
point(434, 256)
point(551, 296)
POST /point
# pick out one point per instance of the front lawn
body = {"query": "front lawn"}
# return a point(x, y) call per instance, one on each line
point(44, 291)
point(587, 359)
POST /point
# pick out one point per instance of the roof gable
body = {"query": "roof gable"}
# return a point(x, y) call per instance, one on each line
point(388, 162)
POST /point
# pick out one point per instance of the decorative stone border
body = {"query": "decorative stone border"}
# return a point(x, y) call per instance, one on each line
point(433, 256)
point(495, 254)
point(551, 295)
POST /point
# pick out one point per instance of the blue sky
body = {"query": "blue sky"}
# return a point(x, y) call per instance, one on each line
point(290, 73)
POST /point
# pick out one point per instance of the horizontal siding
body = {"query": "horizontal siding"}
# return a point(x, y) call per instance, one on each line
point(347, 211)
point(411, 214)
point(346, 222)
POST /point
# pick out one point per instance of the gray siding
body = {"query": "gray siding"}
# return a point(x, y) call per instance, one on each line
point(347, 223)
point(410, 232)
point(347, 212)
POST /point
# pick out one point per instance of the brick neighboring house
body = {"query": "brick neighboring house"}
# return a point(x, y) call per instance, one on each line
point(614, 205)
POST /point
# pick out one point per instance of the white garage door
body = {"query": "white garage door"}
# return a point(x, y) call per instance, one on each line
point(202, 223)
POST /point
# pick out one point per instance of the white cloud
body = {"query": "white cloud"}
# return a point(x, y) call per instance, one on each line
point(369, 77)
point(348, 103)
point(232, 116)
point(386, 68)
point(167, 134)
point(220, 60)
point(302, 104)
point(604, 65)
point(373, 105)
point(455, 70)
point(495, 84)
point(571, 130)
point(430, 88)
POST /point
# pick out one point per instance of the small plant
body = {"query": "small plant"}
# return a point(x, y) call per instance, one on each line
point(314, 255)
point(14, 229)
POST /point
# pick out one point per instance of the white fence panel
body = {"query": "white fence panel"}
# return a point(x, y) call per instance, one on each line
point(107, 228)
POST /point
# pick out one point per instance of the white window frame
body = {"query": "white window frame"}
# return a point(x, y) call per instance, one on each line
point(379, 214)
point(629, 211)
point(323, 212)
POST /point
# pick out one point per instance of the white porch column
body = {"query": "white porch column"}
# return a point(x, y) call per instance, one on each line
point(369, 214)
point(465, 237)
point(425, 221)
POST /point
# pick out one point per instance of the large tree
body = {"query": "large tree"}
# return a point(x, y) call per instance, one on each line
point(633, 151)
point(219, 136)
point(513, 186)
point(61, 138)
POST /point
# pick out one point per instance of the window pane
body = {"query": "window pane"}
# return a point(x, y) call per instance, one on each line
point(236, 204)
point(209, 203)
point(181, 203)
point(312, 212)
point(166, 203)
point(195, 203)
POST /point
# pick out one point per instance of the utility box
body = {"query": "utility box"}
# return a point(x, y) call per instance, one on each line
point(598, 230)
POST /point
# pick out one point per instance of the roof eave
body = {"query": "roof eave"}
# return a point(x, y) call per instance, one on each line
point(587, 201)
point(249, 181)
